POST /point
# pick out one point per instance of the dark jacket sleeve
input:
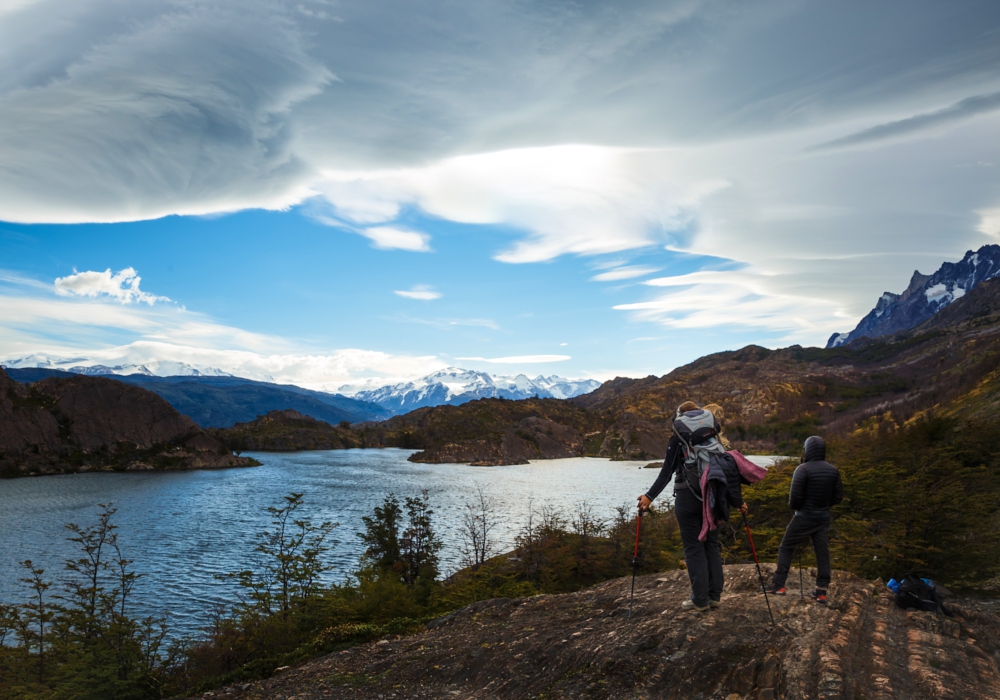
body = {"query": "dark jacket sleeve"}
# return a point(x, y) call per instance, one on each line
point(838, 490)
point(667, 472)
point(797, 493)
point(734, 485)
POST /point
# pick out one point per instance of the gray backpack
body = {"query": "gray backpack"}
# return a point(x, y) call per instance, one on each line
point(698, 431)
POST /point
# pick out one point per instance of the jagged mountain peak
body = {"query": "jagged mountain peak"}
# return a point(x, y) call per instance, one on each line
point(925, 295)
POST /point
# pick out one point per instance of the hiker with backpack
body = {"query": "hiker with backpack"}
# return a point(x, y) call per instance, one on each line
point(816, 487)
point(697, 463)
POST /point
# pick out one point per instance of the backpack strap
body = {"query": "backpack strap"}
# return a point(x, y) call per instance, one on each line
point(689, 450)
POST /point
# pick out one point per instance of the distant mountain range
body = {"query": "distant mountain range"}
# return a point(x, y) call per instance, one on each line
point(161, 368)
point(215, 399)
point(222, 401)
point(454, 386)
point(925, 296)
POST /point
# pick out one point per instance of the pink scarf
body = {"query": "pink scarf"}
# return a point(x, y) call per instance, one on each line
point(707, 519)
point(748, 470)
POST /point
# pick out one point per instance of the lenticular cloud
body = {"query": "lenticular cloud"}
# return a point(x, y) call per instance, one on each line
point(186, 112)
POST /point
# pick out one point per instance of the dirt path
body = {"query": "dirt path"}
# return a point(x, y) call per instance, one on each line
point(581, 645)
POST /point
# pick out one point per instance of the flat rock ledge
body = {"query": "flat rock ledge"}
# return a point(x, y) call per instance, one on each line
point(581, 645)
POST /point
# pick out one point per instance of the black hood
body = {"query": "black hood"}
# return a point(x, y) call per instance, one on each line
point(815, 449)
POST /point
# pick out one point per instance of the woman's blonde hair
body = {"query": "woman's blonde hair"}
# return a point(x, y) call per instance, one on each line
point(718, 411)
point(720, 414)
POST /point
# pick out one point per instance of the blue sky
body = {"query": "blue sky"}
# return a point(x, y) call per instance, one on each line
point(335, 192)
point(284, 274)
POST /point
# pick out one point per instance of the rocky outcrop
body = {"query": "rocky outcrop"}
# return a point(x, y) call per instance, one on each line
point(631, 437)
point(81, 423)
point(583, 645)
point(492, 432)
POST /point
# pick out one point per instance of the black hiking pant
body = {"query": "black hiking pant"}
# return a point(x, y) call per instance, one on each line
point(703, 559)
point(798, 532)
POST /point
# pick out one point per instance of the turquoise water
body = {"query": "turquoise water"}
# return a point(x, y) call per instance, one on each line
point(182, 528)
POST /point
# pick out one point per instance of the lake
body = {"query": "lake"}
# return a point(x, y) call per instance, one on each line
point(183, 528)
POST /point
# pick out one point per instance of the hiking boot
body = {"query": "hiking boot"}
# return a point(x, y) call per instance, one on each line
point(819, 595)
point(714, 604)
point(689, 605)
point(775, 590)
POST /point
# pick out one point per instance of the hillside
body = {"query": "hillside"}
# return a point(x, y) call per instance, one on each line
point(496, 431)
point(220, 402)
point(583, 645)
point(287, 431)
point(78, 423)
point(772, 399)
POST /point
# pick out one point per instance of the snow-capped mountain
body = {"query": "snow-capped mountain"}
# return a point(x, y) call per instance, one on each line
point(156, 369)
point(925, 296)
point(456, 386)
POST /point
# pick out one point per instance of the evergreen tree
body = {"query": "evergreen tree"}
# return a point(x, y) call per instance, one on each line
point(381, 535)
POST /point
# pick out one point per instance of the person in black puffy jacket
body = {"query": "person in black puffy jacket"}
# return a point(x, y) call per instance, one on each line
point(816, 487)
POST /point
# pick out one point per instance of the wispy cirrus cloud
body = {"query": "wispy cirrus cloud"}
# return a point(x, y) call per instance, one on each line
point(963, 109)
point(626, 272)
point(714, 299)
point(421, 292)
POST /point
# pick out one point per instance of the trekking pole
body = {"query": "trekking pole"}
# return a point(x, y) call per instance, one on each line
point(802, 592)
point(635, 562)
point(757, 562)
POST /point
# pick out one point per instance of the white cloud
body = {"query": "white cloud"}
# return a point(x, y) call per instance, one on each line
point(736, 299)
point(626, 272)
point(574, 199)
point(323, 371)
point(989, 222)
point(421, 292)
point(140, 110)
point(122, 286)
point(518, 359)
point(74, 330)
point(395, 238)
point(10, 6)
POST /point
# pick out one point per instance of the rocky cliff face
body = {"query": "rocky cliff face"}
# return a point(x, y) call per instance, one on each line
point(925, 296)
point(582, 644)
point(89, 423)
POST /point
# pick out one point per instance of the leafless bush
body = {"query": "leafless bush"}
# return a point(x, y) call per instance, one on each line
point(586, 523)
point(479, 522)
